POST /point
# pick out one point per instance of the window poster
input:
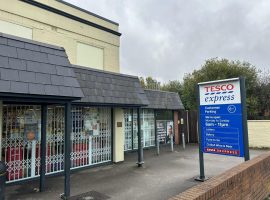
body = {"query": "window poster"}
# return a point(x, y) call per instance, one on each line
point(161, 131)
point(30, 125)
point(169, 131)
point(91, 122)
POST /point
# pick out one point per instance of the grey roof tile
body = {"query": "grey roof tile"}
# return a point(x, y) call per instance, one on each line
point(41, 67)
point(8, 51)
point(3, 40)
point(4, 62)
point(15, 63)
point(28, 77)
point(57, 80)
point(52, 90)
point(36, 88)
point(65, 71)
point(163, 100)
point(66, 90)
point(19, 87)
point(58, 60)
point(25, 68)
point(5, 86)
point(32, 47)
point(101, 87)
point(15, 43)
point(70, 81)
point(9, 74)
point(32, 55)
point(43, 78)
point(77, 92)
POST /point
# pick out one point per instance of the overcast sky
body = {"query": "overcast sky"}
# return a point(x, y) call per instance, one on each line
point(166, 39)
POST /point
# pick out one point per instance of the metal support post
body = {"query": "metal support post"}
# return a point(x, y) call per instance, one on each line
point(140, 147)
point(202, 177)
point(43, 148)
point(67, 150)
point(244, 118)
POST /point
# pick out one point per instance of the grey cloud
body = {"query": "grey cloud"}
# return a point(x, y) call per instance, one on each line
point(166, 39)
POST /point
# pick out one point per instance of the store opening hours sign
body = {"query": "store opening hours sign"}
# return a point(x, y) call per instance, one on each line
point(221, 117)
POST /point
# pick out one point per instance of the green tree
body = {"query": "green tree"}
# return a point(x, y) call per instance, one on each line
point(263, 94)
point(150, 83)
point(172, 86)
point(215, 69)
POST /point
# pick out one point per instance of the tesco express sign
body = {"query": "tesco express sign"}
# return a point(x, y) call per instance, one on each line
point(220, 93)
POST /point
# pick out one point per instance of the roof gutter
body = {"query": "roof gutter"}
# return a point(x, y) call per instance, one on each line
point(73, 17)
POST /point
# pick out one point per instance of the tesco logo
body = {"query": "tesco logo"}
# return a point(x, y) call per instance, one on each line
point(219, 88)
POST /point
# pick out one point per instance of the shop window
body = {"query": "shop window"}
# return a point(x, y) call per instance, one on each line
point(90, 56)
point(131, 128)
point(20, 144)
point(20, 147)
point(15, 29)
point(91, 136)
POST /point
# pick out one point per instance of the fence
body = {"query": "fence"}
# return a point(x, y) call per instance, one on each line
point(258, 130)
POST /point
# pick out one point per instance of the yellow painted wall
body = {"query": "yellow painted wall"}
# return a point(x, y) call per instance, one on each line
point(58, 30)
point(259, 133)
point(118, 142)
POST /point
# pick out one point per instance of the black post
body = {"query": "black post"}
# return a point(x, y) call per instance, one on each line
point(201, 159)
point(156, 133)
point(112, 133)
point(68, 127)
point(3, 174)
point(140, 148)
point(43, 148)
point(132, 128)
point(244, 118)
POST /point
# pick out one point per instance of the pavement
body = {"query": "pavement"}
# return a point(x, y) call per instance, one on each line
point(161, 177)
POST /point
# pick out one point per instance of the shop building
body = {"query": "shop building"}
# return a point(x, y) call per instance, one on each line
point(156, 118)
point(57, 116)
point(89, 40)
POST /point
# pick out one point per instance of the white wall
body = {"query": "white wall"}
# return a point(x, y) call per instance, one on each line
point(17, 30)
point(118, 140)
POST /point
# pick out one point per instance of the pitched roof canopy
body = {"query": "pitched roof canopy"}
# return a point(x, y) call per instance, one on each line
point(32, 68)
point(163, 100)
point(101, 87)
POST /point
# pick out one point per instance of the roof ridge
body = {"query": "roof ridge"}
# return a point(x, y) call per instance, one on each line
point(103, 71)
point(165, 91)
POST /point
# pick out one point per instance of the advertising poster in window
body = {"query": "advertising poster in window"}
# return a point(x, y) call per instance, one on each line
point(30, 126)
point(91, 122)
point(161, 131)
point(169, 131)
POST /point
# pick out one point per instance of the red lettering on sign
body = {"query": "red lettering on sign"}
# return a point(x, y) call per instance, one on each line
point(217, 88)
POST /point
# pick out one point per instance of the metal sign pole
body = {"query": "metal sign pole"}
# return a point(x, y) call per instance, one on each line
point(202, 177)
point(244, 118)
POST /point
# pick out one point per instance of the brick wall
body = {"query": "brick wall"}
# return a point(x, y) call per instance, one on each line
point(249, 180)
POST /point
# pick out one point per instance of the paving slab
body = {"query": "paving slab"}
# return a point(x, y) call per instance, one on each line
point(161, 177)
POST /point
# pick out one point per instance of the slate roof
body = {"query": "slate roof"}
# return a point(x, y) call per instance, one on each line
point(101, 87)
point(163, 100)
point(32, 68)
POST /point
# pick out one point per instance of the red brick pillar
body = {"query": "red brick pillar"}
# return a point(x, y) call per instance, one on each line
point(176, 128)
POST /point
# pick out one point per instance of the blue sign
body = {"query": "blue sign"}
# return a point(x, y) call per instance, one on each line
point(221, 119)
